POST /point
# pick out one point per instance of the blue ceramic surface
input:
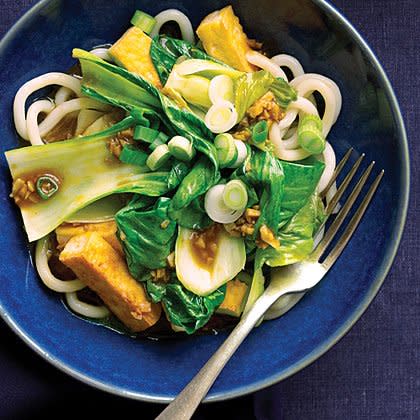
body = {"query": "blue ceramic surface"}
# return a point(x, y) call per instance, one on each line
point(156, 371)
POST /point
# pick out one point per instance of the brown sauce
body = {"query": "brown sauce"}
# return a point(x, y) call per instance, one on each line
point(203, 245)
point(64, 130)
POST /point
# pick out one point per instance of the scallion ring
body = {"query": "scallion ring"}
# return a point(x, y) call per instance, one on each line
point(181, 148)
point(158, 157)
point(243, 151)
point(309, 134)
point(215, 207)
point(235, 195)
point(47, 185)
point(221, 89)
point(221, 117)
point(143, 21)
point(260, 132)
point(227, 152)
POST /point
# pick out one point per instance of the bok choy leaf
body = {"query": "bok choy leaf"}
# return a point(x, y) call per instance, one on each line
point(147, 234)
point(87, 171)
point(184, 308)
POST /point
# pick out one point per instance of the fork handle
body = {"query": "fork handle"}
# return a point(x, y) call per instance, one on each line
point(185, 404)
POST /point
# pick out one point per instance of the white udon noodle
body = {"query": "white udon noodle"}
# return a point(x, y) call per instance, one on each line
point(283, 135)
point(174, 15)
point(69, 287)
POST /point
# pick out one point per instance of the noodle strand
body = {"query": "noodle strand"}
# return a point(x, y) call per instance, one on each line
point(180, 18)
point(85, 309)
point(38, 107)
point(32, 86)
point(44, 271)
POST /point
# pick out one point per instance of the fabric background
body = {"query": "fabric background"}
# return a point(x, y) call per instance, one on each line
point(372, 373)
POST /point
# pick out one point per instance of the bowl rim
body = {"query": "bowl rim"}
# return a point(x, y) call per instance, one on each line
point(358, 312)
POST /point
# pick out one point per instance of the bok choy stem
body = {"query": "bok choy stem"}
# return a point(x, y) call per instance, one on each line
point(87, 171)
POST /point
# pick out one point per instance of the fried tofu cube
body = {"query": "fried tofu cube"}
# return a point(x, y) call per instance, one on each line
point(104, 270)
point(132, 51)
point(107, 230)
point(234, 301)
point(223, 38)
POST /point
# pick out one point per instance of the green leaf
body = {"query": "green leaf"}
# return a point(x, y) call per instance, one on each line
point(178, 172)
point(283, 92)
point(184, 308)
point(249, 88)
point(200, 178)
point(146, 242)
point(252, 86)
point(165, 51)
point(297, 237)
point(264, 173)
point(301, 180)
point(193, 216)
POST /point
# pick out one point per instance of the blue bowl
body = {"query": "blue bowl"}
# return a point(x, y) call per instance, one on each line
point(370, 121)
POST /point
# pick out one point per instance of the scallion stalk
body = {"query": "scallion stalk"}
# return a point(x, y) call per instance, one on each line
point(143, 21)
point(158, 157)
point(145, 134)
point(181, 148)
point(227, 152)
point(260, 132)
point(310, 136)
point(132, 155)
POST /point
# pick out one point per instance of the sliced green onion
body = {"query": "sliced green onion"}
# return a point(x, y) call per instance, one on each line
point(47, 185)
point(243, 151)
point(312, 121)
point(235, 195)
point(181, 148)
point(158, 142)
point(227, 152)
point(310, 136)
point(133, 156)
point(221, 88)
point(158, 157)
point(143, 21)
point(221, 117)
point(162, 138)
point(260, 132)
point(145, 134)
point(215, 207)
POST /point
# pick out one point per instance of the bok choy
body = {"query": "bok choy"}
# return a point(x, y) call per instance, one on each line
point(87, 171)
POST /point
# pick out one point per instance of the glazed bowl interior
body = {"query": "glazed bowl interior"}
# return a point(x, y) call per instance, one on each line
point(370, 122)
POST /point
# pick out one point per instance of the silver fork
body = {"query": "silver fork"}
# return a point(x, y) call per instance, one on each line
point(295, 278)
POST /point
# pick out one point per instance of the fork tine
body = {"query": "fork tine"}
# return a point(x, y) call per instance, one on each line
point(335, 225)
point(352, 226)
point(337, 171)
point(340, 191)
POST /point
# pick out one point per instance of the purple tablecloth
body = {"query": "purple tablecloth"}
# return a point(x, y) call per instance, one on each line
point(372, 373)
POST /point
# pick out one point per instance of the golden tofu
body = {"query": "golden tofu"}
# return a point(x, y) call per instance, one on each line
point(132, 51)
point(223, 38)
point(234, 301)
point(107, 230)
point(104, 270)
